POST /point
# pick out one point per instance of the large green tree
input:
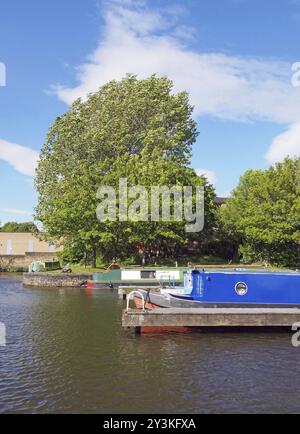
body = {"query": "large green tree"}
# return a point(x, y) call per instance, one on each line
point(135, 128)
point(263, 214)
point(163, 238)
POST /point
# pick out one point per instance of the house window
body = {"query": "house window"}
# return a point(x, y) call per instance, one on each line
point(30, 245)
point(9, 247)
point(51, 247)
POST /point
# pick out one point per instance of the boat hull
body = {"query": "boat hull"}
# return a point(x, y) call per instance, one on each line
point(154, 300)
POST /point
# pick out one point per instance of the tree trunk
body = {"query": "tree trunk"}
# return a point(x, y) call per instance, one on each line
point(94, 258)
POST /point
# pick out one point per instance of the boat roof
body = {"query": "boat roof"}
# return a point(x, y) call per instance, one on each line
point(252, 271)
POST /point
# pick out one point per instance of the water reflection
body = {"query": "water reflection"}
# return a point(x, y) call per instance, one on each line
point(66, 352)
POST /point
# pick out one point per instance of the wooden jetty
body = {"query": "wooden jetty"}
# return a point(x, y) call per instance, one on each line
point(210, 317)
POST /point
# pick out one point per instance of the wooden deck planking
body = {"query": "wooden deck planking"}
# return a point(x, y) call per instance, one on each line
point(212, 317)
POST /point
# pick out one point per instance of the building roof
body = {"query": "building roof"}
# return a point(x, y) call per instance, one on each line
point(221, 200)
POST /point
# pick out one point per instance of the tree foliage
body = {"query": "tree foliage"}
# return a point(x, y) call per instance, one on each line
point(133, 128)
point(264, 214)
point(19, 227)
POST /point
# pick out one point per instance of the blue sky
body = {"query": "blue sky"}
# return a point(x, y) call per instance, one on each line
point(233, 56)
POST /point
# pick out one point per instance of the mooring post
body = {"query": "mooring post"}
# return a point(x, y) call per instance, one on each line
point(138, 330)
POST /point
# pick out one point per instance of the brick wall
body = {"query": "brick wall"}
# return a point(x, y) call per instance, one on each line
point(23, 261)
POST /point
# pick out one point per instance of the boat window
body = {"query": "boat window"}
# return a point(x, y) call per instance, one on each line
point(241, 288)
point(148, 274)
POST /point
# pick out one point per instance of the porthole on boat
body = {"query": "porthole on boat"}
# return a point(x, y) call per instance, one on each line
point(241, 288)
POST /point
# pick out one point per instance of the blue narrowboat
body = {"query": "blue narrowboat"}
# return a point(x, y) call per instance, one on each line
point(246, 287)
point(233, 288)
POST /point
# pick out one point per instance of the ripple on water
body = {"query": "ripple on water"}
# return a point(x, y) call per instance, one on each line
point(66, 352)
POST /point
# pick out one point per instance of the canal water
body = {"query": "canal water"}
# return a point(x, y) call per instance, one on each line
point(67, 353)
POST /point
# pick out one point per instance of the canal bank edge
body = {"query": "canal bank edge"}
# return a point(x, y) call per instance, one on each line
point(48, 280)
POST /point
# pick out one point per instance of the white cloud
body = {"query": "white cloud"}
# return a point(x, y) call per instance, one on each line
point(209, 174)
point(286, 144)
point(141, 41)
point(21, 158)
point(226, 193)
point(15, 211)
